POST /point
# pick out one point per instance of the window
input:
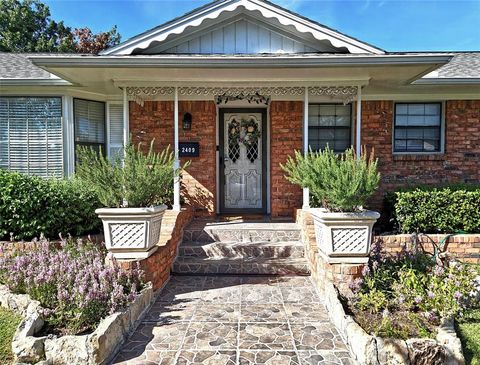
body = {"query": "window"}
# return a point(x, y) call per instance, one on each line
point(31, 135)
point(89, 118)
point(418, 127)
point(329, 124)
point(115, 125)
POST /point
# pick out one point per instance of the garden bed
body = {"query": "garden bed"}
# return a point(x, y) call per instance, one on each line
point(401, 310)
point(369, 349)
point(75, 308)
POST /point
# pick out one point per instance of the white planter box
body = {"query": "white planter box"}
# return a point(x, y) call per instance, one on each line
point(344, 237)
point(132, 233)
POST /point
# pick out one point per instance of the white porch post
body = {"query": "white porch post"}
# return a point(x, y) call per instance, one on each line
point(306, 193)
point(358, 146)
point(126, 129)
point(176, 165)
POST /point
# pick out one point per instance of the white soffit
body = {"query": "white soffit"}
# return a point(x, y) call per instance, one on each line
point(213, 11)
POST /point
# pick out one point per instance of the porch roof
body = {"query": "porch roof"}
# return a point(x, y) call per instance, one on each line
point(104, 74)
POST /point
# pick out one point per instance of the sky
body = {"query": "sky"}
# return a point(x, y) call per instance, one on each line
point(393, 25)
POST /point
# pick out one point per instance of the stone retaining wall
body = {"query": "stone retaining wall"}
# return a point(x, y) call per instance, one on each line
point(95, 348)
point(157, 266)
point(372, 350)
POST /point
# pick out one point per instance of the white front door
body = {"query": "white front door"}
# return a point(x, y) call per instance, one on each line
point(242, 160)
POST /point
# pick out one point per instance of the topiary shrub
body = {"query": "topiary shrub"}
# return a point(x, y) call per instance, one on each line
point(31, 206)
point(436, 209)
point(336, 182)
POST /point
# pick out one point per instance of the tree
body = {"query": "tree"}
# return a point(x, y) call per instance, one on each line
point(87, 42)
point(26, 26)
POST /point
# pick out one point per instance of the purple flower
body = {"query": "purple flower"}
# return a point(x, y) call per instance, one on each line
point(365, 270)
point(457, 295)
point(418, 299)
point(439, 270)
point(431, 294)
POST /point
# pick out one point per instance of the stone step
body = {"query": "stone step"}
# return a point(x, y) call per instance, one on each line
point(200, 231)
point(244, 250)
point(262, 266)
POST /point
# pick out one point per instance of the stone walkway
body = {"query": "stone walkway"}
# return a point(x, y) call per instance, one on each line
point(229, 320)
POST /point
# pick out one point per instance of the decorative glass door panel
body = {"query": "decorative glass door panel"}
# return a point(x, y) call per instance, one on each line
point(243, 160)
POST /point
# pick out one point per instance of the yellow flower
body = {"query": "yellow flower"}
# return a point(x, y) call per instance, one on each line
point(250, 129)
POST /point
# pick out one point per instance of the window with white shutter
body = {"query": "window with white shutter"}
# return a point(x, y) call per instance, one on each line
point(115, 139)
point(89, 120)
point(31, 135)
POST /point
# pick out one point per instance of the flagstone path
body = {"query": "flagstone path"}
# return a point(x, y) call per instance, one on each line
point(230, 320)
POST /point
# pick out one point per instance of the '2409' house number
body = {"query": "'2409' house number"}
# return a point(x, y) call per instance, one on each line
point(188, 149)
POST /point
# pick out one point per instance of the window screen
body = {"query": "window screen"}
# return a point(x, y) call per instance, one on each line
point(31, 136)
point(418, 127)
point(89, 118)
point(329, 124)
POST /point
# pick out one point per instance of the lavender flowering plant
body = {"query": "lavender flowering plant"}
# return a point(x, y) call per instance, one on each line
point(72, 283)
point(413, 290)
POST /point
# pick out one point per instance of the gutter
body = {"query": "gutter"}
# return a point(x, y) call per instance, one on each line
point(447, 81)
point(241, 62)
point(34, 82)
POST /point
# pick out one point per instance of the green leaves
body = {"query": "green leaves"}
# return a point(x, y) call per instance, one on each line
point(142, 180)
point(26, 26)
point(336, 182)
point(437, 210)
point(31, 206)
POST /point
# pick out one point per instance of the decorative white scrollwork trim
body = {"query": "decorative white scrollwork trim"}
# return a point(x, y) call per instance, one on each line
point(347, 93)
point(140, 94)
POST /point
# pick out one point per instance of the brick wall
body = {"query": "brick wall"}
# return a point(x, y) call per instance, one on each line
point(286, 124)
point(155, 120)
point(459, 163)
point(465, 247)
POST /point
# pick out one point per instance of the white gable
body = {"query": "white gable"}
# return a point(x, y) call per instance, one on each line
point(241, 35)
point(241, 27)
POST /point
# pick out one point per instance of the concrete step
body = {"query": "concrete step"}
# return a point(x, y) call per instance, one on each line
point(253, 266)
point(244, 250)
point(204, 231)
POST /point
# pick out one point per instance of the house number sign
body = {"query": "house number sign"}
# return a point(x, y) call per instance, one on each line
point(188, 149)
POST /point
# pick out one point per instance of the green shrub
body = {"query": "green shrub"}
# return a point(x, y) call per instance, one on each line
point(336, 182)
point(141, 180)
point(31, 206)
point(436, 209)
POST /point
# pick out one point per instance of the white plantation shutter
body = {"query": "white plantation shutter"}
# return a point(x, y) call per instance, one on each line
point(89, 118)
point(115, 142)
point(31, 135)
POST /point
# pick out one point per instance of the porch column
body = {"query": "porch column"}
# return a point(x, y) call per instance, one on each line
point(176, 164)
point(306, 193)
point(126, 129)
point(358, 146)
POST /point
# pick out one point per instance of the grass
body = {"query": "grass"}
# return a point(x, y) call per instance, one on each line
point(8, 324)
point(468, 329)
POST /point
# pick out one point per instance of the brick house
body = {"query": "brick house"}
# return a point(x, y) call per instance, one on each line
point(235, 87)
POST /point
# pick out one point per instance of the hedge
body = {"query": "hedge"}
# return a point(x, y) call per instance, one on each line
point(446, 209)
point(31, 206)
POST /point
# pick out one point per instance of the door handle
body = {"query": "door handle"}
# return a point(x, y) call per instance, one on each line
point(226, 159)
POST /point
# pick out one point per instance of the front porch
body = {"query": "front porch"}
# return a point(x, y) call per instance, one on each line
point(226, 175)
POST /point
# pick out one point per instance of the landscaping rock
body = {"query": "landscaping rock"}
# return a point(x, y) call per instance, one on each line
point(392, 351)
point(68, 350)
point(92, 349)
point(426, 352)
point(372, 350)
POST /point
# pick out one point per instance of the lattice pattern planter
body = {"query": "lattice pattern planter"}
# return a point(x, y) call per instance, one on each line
point(132, 233)
point(344, 236)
